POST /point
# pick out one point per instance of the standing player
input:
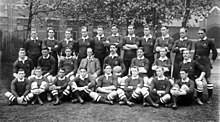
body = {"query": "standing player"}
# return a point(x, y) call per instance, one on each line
point(100, 50)
point(129, 45)
point(69, 63)
point(160, 88)
point(115, 38)
point(114, 60)
point(196, 72)
point(38, 86)
point(67, 42)
point(58, 89)
point(202, 51)
point(82, 87)
point(179, 46)
point(91, 64)
point(33, 47)
point(164, 41)
point(53, 45)
point(83, 43)
point(20, 90)
point(147, 42)
point(23, 62)
point(183, 90)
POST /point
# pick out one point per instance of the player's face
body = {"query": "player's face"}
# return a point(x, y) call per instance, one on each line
point(134, 71)
point(83, 72)
point(186, 54)
point(163, 52)
point(67, 34)
point(114, 30)
point(201, 34)
point(100, 31)
point(45, 53)
point(38, 72)
point(108, 69)
point(21, 74)
point(130, 30)
point(146, 31)
point(89, 52)
point(84, 33)
point(140, 53)
point(182, 33)
point(113, 49)
point(51, 33)
point(183, 75)
point(164, 31)
point(159, 72)
point(22, 54)
point(61, 73)
point(68, 52)
point(33, 34)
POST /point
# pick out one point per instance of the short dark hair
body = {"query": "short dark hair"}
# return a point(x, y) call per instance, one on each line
point(22, 49)
point(20, 70)
point(100, 26)
point(107, 65)
point(140, 48)
point(184, 70)
point(50, 28)
point(45, 48)
point(82, 68)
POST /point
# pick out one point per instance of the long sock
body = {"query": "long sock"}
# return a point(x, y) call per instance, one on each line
point(210, 89)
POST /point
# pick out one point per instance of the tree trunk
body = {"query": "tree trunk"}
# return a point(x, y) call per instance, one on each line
point(186, 16)
point(30, 18)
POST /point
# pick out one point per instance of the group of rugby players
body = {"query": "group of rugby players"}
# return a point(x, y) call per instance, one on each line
point(126, 70)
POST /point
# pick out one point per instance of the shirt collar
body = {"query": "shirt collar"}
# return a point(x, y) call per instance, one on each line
point(203, 38)
point(117, 34)
point(87, 37)
point(133, 35)
point(186, 61)
point(148, 37)
point(163, 59)
point(68, 40)
point(186, 80)
point(90, 58)
point(100, 36)
point(21, 80)
point(112, 56)
point(136, 77)
point(59, 78)
point(182, 39)
point(38, 77)
point(166, 36)
point(51, 38)
point(34, 39)
point(84, 77)
point(163, 78)
point(140, 58)
point(46, 57)
point(106, 75)
point(23, 60)
point(70, 57)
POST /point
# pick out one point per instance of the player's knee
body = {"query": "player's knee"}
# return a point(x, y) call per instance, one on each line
point(144, 92)
point(199, 84)
point(171, 82)
point(112, 95)
point(72, 77)
point(8, 94)
point(95, 96)
point(165, 98)
point(121, 93)
point(138, 90)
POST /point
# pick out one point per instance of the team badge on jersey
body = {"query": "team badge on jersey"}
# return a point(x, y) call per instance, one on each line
point(205, 45)
point(116, 62)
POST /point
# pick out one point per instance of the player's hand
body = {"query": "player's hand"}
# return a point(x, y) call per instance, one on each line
point(211, 61)
point(198, 79)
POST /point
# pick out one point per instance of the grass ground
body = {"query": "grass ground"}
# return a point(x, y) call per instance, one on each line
point(68, 112)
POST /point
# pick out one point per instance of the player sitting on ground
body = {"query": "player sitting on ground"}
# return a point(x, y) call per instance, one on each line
point(38, 86)
point(82, 87)
point(59, 86)
point(160, 87)
point(183, 90)
point(20, 90)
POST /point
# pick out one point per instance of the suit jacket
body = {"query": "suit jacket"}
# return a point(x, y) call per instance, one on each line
point(92, 66)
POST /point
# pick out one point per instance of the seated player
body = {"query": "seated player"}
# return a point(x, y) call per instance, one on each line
point(69, 64)
point(38, 85)
point(82, 87)
point(114, 60)
point(23, 62)
point(107, 84)
point(142, 63)
point(91, 63)
point(160, 87)
point(183, 90)
point(20, 90)
point(48, 64)
point(58, 89)
point(134, 89)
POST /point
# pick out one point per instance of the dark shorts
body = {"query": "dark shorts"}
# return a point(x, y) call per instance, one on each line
point(207, 65)
point(185, 100)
